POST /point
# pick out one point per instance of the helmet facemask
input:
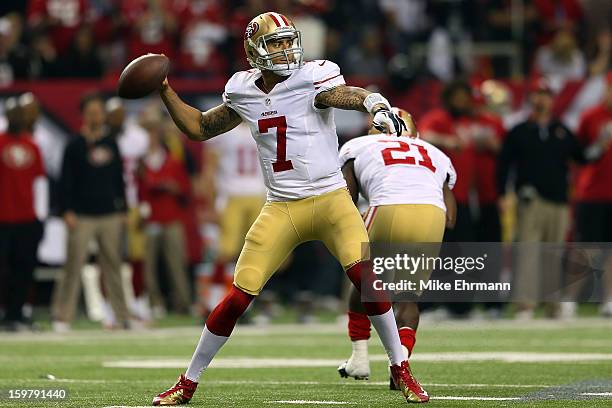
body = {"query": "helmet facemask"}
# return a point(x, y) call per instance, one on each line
point(293, 55)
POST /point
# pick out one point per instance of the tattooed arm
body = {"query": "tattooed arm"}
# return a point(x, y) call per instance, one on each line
point(343, 97)
point(359, 99)
point(198, 125)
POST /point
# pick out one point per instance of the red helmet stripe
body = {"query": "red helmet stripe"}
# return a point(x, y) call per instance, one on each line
point(278, 24)
point(284, 19)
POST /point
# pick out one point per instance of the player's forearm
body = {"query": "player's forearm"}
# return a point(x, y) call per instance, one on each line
point(344, 97)
point(187, 118)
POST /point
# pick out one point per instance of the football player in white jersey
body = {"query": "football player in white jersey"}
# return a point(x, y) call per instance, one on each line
point(287, 104)
point(407, 182)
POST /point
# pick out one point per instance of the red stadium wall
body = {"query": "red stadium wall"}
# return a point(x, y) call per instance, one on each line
point(60, 99)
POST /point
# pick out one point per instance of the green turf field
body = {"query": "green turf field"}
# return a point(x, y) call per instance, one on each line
point(542, 363)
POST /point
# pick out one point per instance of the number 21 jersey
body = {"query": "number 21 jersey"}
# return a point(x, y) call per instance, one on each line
point(296, 141)
point(399, 170)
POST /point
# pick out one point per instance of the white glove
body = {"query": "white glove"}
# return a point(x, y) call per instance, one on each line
point(388, 122)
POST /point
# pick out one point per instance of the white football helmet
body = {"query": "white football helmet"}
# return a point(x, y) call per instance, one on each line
point(268, 27)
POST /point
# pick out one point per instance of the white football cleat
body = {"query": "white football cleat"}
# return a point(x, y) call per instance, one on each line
point(358, 368)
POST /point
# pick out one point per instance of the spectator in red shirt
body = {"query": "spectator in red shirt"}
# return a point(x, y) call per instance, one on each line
point(61, 19)
point(24, 189)
point(163, 187)
point(189, 155)
point(448, 128)
point(151, 27)
point(451, 128)
point(593, 211)
point(488, 134)
point(203, 30)
point(593, 185)
point(555, 14)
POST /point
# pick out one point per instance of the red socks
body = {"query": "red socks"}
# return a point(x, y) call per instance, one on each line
point(407, 338)
point(222, 320)
point(358, 326)
point(361, 272)
point(359, 329)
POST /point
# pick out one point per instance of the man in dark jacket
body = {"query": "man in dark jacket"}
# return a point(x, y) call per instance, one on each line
point(539, 152)
point(93, 195)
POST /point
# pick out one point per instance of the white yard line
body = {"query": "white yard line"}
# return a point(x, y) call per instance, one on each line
point(272, 382)
point(309, 402)
point(246, 362)
point(511, 357)
point(310, 329)
point(597, 394)
point(128, 406)
point(485, 385)
point(455, 398)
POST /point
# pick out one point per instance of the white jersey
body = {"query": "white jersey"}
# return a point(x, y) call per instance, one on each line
point(399, 170)
point(297, 142)
point(238, 170)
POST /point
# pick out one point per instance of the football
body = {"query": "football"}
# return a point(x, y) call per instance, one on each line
point(143, 76)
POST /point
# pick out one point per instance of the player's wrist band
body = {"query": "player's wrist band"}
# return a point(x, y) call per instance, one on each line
point(374, 99)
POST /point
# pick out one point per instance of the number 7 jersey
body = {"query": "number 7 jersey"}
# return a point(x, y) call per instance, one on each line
point(296, 141)
point(399, 170)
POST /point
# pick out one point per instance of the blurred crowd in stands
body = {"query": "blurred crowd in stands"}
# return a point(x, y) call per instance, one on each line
point(164, 224)
point(397, 39)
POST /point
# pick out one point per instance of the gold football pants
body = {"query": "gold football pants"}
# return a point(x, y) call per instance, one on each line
point(405, 223)
point(413, 224)
point(281, 226)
